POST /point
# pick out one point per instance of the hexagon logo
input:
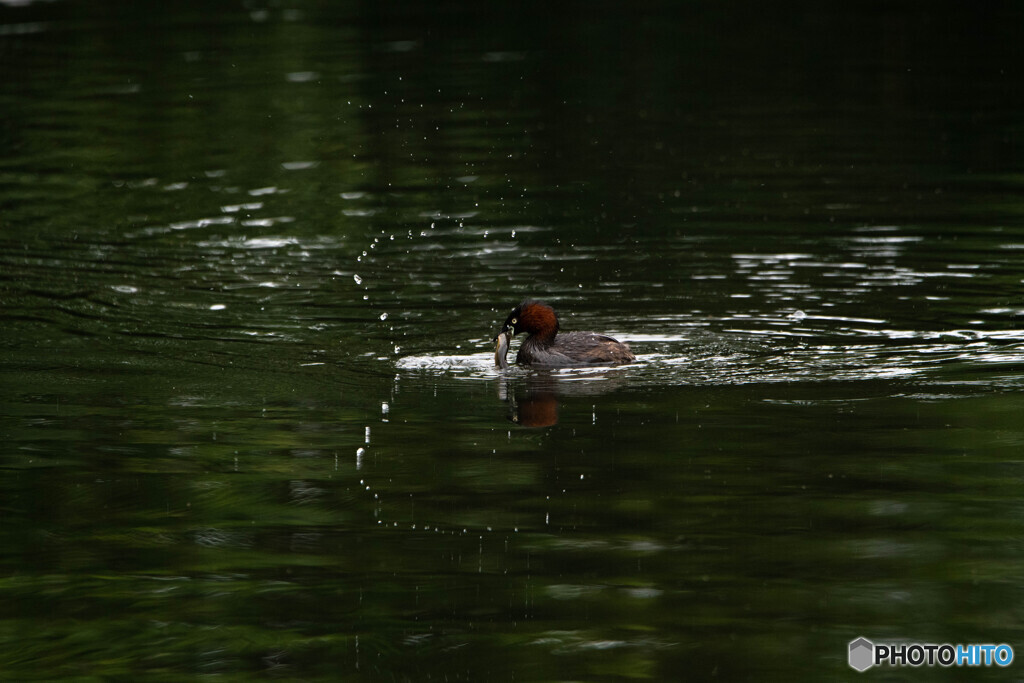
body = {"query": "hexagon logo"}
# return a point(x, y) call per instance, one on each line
point(862, 654)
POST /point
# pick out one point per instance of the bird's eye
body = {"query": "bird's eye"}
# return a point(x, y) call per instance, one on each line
point(513, 321)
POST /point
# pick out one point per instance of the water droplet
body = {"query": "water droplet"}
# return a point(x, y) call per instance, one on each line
point(217, 307)
point(358, 279)
point(384, 409)
point(383, 316)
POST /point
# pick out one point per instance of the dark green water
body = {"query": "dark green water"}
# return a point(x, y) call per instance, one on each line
point(252, 257)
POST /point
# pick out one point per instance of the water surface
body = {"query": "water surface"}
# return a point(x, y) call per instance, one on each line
point(253, 257)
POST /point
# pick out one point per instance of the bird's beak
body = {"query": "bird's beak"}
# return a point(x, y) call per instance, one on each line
point(505, 330)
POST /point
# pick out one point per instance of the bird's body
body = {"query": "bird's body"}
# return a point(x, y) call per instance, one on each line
point(547, 347)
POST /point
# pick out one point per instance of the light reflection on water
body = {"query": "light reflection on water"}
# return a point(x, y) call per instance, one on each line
point(752, 354)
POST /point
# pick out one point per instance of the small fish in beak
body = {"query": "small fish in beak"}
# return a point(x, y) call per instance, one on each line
point(501, 349)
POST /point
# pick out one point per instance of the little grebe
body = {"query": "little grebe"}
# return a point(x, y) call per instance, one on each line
point(545, 346)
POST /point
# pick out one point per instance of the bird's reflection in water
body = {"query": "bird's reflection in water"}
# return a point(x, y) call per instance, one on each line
point(533, 398)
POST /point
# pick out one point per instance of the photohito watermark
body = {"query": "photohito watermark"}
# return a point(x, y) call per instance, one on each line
point(864, 654)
